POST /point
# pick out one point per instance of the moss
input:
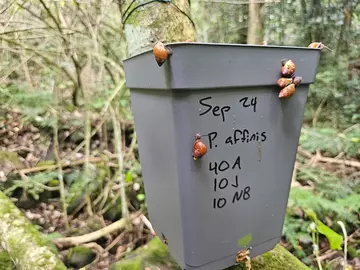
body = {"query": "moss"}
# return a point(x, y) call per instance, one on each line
point(146, 25)
point(128, 264)
point(10, 157)
point(277, 259)
point(25, 245)
point(79, 256)
point(156, 254)
point(5, 261)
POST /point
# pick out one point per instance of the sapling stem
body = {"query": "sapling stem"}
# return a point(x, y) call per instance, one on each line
point(342, 225)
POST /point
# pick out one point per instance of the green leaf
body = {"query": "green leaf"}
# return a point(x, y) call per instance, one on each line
point(245, 241)
point(140, 197)
point(128, 177)
point(334, 238)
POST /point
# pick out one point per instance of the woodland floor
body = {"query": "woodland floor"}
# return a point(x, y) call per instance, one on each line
point(26, 150)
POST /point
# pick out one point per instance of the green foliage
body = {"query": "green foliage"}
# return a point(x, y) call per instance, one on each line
point(227, 23)
point(331, 141)
point(79, 256)
point(35, 184)
point(306, 199)
point(336, 24)
point(5, 261)
point(295, 231)
point(338, 94)
point(327, 184)
point(33, 104)
point(334, 238)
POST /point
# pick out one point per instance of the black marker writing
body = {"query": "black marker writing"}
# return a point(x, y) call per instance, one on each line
point(216, 111)
point(247, 103)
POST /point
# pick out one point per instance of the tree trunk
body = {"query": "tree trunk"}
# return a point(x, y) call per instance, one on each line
point(27, 248)
point(146, 24)
point(342, 45)
point(255, 23)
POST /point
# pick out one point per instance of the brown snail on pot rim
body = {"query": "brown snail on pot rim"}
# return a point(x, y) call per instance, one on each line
point(161, 53)
point(199, 149)
point(283, 82)
point(288, 68)
point(297, 80)
point(318, 45)
point(288, 91)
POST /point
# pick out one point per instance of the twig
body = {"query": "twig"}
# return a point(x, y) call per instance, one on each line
point(58, 160)
point(117, 141)
point(55, 166)
point(320, 158)
point(342, 225)
point(115, 241)
point(351, 163)
point(120, 88)
point(351, 127)
point(147, 223)
point(328, 255)
point(98, 249)
point(132, 146)
point(293, 178)
point(77, 240)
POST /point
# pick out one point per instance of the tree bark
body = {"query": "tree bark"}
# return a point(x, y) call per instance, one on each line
point(255, 23)
point(27, 248)
point(165, 21)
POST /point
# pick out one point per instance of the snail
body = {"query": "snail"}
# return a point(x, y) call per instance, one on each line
point(318, 45)
point(288, 91)
point(297, 80)
point(288, 68)
point(161, 53)
point(199, 149)
point(283, 82)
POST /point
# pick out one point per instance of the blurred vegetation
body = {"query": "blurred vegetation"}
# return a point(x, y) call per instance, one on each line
point(61, 73)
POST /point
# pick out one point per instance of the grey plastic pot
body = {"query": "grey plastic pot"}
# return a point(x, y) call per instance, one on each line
point(234, 197)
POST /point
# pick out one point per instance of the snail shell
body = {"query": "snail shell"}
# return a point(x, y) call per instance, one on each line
point(161, 53)
point(297, 81)
point(316, 45)
point(288, 69)
point(199, 149)
point(283, 82)
point(288, 91)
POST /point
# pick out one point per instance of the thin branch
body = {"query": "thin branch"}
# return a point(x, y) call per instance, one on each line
point(59, 167)
point(24, 30)
point(63, 164)
point(119, 89)
point(320, 158)
point(78, 240)
point(120, 158)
